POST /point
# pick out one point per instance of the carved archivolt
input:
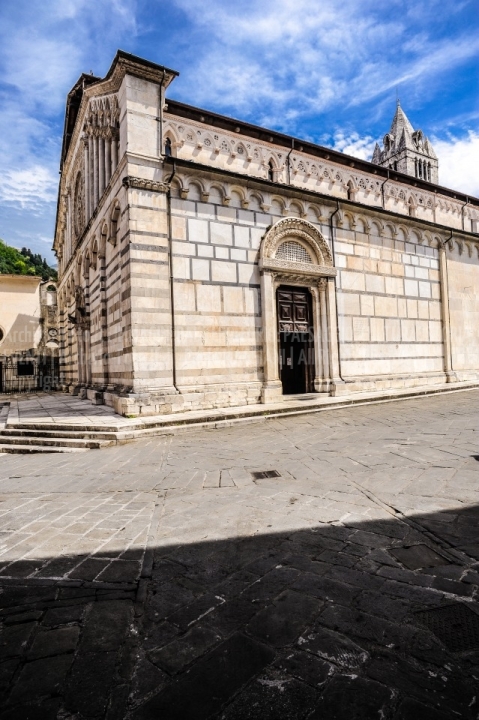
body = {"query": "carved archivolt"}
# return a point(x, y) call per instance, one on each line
point(312, 258)
point(302, 231)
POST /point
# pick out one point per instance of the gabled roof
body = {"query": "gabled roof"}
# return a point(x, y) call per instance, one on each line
point(123, 62)
point(74, 99)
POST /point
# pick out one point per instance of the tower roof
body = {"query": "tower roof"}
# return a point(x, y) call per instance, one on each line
point(400, 122)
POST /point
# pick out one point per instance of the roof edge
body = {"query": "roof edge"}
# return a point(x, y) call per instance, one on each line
point(175, 107)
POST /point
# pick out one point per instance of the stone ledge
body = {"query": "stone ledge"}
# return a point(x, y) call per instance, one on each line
point(124, 430)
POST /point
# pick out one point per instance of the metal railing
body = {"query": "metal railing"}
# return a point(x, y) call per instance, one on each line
point(29, 374)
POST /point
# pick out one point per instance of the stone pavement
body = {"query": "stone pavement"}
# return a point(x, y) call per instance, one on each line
point(165, 579)
point(57, 407)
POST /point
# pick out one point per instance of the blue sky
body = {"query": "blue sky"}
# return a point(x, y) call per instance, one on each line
point(324, 70)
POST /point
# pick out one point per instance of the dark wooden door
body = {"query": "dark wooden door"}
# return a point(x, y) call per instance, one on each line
point(296, 340)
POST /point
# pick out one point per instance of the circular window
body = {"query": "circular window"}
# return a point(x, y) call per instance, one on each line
point(2, 335)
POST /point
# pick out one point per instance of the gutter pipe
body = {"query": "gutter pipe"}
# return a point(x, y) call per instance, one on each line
point(170, 267)
point(331, 235)
point(382, 190)
point(288, 166)
point(462, 212)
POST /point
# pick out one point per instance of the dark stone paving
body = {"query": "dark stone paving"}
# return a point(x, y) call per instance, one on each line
point(322, 619)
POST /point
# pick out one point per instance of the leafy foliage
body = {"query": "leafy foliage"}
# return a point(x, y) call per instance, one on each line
point(24, 262)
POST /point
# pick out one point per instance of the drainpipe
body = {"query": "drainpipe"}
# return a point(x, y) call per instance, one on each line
point(382, 190)
point(462, 211)
point(331, 231)
point(288, 166)
point(331, 235)
point(170, 265)
point(160, 111)
point(445, 311)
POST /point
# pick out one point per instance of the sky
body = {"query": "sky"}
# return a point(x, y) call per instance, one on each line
point(328, 71)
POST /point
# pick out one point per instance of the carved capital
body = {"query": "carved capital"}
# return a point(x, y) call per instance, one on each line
point(143, 184)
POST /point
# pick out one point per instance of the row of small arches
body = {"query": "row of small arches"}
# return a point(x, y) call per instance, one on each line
point(351, 187)
point(96, 249)
point(196, 189)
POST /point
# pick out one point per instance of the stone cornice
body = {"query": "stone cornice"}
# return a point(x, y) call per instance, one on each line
point(144, 184)
point(296, 268)
point(123, 64)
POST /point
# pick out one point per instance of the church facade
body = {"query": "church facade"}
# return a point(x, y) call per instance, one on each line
point(205, 262)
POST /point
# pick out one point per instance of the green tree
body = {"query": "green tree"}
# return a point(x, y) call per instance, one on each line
point(24, 262)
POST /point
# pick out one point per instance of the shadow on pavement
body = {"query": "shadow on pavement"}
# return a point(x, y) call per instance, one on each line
point(330, 623)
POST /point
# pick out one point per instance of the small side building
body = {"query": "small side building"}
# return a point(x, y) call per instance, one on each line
point(28, 334)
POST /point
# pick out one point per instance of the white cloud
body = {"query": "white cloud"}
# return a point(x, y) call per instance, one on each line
point(353, 144)
point(29, 188)
point(459, 162)
point(315, 56)
point(43, 53)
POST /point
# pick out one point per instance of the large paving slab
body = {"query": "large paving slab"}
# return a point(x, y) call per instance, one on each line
point(321, 566)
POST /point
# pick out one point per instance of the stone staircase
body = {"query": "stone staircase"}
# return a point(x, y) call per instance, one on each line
point(23, 438)
point(30, 436)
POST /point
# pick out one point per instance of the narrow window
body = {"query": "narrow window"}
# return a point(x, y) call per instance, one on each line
point(271, 171)
point(395, 165)
point(415, 167)
point(168, 147)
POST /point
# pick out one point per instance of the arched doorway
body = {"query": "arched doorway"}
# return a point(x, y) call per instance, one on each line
point(298, 301)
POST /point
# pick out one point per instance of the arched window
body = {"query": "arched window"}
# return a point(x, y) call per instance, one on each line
point(293, 251)
point(168, 147)
point(396, 165)
point(429, 172)
point(115, 217)
point(350, 191)
point(271, 171)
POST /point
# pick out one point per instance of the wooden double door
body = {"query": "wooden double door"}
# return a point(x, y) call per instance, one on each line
point(296, 340)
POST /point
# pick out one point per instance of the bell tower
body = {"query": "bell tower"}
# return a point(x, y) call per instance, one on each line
point(406, 150)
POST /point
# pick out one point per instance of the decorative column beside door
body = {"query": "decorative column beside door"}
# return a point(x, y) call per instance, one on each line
point(272, 387)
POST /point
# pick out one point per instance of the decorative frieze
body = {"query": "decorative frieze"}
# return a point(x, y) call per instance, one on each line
point(145, 184)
